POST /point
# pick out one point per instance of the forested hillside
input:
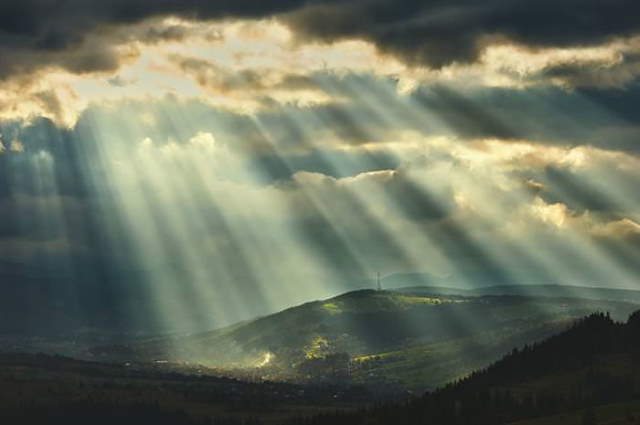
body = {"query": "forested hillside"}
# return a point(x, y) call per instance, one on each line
point(592, 367)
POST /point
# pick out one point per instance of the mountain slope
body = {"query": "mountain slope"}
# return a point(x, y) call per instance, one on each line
point(408, 338)
point(591, 369)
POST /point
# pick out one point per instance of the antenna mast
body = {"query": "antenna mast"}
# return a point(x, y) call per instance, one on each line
point(379, 282)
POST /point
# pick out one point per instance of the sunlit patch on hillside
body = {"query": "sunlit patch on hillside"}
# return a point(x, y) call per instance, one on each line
point(266, 359)
point(318, 348)
point(331, 308)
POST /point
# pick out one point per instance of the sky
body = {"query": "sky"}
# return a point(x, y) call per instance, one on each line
point(179, 165)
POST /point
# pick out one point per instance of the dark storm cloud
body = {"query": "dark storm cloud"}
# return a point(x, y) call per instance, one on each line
point(436, 33)
point(54, 24)
point(36, 33)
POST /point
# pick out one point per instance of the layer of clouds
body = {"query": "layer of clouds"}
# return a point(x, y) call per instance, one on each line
point(253, 66)
point(431, 33)
point(249, 89)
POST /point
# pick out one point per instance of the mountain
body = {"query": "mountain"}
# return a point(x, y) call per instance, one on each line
point(390, 339)
point(469, 277)
point(416, 282)
point(588, 374)
point(553, 291)
point(612, 294)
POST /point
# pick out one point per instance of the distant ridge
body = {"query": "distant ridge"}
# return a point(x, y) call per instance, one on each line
point(550, 290)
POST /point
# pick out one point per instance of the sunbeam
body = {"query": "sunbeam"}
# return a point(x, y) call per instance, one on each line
point(309, 212)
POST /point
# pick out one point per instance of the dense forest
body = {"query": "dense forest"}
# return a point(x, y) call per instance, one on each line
point(596, 362)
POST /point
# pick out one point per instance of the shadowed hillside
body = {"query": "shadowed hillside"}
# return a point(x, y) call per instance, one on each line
point(411, 339)
point(42, 389)
point(588, 374)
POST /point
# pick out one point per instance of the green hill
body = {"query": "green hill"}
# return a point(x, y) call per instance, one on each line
point(407, 339)
point(588, 374)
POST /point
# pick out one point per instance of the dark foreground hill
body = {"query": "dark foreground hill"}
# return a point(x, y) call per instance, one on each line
point(589, 374)
point(51, 390)
point(392, 339)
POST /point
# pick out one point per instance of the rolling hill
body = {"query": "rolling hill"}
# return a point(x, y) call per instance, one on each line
point(588, 374)
point(412, 338)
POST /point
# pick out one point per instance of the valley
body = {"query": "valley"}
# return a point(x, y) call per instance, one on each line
point(345, 360)
point(415, 339)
